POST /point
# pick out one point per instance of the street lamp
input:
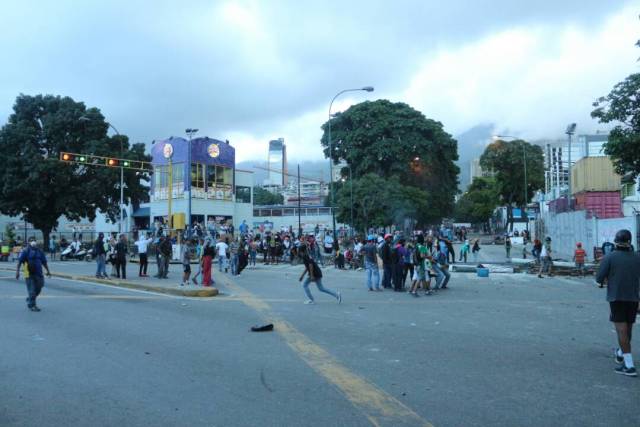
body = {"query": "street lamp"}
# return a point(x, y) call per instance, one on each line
point(351, 197)
point(333, 213)
point(190, 132)
point(571, 129)
point(87, 119)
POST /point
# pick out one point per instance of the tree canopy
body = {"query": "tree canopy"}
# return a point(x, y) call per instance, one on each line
point(262, 197)
point(622, 106)
point(398, 144)
point(39, 187)
point(479, 201)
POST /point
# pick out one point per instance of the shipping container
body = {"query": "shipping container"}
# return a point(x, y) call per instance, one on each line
point(602, 204)
point(594, 174)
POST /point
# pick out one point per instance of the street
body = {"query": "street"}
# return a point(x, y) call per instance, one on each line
point(508, 350)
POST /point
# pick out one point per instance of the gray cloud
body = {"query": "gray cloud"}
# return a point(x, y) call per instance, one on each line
point(247, 67)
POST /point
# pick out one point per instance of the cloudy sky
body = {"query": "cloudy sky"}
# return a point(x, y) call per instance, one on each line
point(250, 71)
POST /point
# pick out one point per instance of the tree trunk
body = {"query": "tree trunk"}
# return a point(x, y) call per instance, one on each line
point(46, 232)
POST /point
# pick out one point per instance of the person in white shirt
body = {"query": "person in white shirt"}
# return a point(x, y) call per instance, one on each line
point(142, 245)
point(75, 246)
point(221, 248)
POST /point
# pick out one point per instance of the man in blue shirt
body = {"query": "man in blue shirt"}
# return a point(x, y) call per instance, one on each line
point(34, 258)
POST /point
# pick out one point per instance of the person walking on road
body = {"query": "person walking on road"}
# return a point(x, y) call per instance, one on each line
point(208, 252)
point(122, 249)
point(143, 245)
point(34, 259)
point(371, 264)
point(315, 275)
point(101, 257)
point(579, 256)
point(621, 270)
point(545, 256)
point(464, 251)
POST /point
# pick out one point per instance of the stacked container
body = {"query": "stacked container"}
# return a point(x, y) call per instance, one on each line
point(596, 187)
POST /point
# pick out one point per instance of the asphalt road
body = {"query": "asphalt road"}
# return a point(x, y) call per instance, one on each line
point(510, 350)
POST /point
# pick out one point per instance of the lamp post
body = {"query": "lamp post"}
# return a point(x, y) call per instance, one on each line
point(190, 132)
point(333, 213)
point(87, 119)
point(351, 197)
point(571, 129)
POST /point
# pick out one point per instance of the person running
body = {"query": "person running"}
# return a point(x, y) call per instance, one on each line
point(371, 264)
point(621, 270)
point(579, 256)
point(34, 259)
point(143, 244)
point(545, 255)
point(315, 275)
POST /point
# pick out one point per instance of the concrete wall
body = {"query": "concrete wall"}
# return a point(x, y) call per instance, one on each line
point(566, 229)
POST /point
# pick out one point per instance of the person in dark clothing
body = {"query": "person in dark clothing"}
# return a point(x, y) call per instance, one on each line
point(34, 258)
point(164, 256)
point(315, 275)
point(397, 259)
point(450, 251)
point(121, 257)
point(387, 263)
point(621, 270)
point(101, 257)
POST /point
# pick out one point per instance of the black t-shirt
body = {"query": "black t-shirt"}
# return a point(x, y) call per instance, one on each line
point(311, 265)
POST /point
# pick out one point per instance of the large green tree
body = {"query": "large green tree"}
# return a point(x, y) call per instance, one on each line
point(622, 106)
point(506, 159)
point(393, 140)
point(262, 197)
point(39, 187)
point(479, 201)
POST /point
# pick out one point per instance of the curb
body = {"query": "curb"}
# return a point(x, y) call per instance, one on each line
point(207, 292)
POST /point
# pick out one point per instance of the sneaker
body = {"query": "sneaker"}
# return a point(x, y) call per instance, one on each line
point(35, 308)
point(619, 359)
point(182, 284)
point(415, 294)
point(195, 282)
point(339, 298)
point(540, 276)
point(629, 372)
point(309, 302)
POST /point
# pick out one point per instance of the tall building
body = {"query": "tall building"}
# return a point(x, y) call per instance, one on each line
point(556, 159)
point(277, 163)
point(476, 171)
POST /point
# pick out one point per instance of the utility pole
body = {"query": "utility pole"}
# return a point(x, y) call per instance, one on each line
point(299, 204)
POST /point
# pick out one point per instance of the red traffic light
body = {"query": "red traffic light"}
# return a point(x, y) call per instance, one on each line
point(67, 157)
point(112, 162)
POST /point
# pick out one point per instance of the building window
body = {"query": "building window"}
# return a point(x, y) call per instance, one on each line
point(243, 194)
point(197, 175)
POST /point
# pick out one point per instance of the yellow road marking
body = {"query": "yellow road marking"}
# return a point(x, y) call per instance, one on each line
point(380, 408)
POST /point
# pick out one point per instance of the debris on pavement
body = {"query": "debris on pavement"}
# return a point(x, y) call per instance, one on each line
point(264, 328)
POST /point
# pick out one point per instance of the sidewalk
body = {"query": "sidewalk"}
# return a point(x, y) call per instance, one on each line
point(86, 271)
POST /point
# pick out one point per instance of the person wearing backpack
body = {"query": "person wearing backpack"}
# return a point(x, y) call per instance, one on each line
point(34, 259)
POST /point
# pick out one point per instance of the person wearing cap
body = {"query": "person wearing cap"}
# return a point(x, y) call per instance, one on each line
point(621, 270)
point(34, 259)
point(579, 256)
point(545, 255)
point(371, 263)
point(387, 263)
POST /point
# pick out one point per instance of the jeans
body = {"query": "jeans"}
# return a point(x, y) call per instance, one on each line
point(234, 264)
point(372, 270)
point(398, 269)
point(252, 257)
point(143, 264)
point(222, 263)
point(121, 267)
point(34, 286)
point(387, 273)
point(101, 261)
point(321, 288)
point(442, 276)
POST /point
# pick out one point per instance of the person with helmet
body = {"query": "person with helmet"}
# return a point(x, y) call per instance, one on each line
point(579, 256)
point(621, 269)
point(545, 256)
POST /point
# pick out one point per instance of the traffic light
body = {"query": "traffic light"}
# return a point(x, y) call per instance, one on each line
point(67, 157)
point(112, 162)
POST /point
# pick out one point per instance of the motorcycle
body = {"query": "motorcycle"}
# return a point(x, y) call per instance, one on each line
point(67, 253)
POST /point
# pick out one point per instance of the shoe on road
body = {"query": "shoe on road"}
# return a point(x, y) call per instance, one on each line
point(629, 372)
point(339, 298)
point(619, 359)
point(195, 282)
point(309, 302)
point(34, 308)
